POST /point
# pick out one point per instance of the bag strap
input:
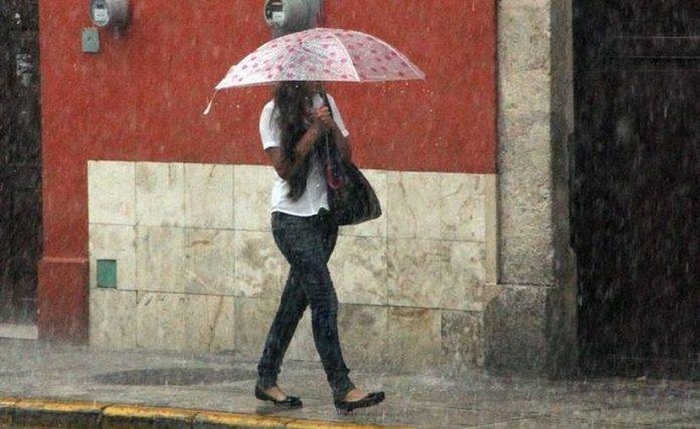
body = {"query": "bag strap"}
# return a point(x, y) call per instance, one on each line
point(333, 176)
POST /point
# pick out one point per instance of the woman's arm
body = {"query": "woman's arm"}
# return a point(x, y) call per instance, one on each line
point(286, 167)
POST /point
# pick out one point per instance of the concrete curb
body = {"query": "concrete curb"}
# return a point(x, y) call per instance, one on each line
point(21, 412)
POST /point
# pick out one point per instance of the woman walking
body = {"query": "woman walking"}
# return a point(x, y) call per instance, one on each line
point(292, 128)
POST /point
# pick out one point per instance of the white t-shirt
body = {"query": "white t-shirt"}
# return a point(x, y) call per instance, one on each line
point(315, 197)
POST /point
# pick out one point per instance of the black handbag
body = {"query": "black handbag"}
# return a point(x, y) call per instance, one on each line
point(351, 198)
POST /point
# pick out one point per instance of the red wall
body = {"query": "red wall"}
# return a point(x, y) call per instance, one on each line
point(142, 97)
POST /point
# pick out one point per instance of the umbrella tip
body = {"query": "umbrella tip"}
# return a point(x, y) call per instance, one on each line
point(209, 105)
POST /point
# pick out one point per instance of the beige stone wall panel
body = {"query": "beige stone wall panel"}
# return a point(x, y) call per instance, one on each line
point(209, 324)
point(209, 261)
point(261, 270)
point(359, 270)
point(112, 322)
point(111, 192)
point(439, 206)
point(252, 322)
point(161, 324)
point(415, 272)
point(160, 255)
point(364, 334)
point(209, 196)
point(411, 210)
point(252, 197)
point(160, 194)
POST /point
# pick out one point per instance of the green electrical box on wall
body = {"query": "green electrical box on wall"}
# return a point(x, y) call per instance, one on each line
point(107, 273)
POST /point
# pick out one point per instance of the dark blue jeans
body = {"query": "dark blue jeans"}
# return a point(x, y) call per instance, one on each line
point(307, 243)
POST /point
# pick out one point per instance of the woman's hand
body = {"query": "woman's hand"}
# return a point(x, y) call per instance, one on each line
point(322, 118)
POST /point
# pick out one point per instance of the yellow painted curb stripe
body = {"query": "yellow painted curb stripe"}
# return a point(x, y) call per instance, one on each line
point(138, 412)
point(321, 424)
point(242, 420)
point(143, 412)
point(8, 402)
point(58, 406)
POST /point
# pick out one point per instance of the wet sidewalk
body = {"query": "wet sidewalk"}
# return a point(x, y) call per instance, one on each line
point(83, 387)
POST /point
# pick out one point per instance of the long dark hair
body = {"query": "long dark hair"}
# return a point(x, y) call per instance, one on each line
point(292, 101)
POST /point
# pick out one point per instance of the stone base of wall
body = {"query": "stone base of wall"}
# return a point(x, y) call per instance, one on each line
point(197, 269)
point(515, 334)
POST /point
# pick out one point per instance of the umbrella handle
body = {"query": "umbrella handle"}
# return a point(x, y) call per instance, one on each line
point(324, 96)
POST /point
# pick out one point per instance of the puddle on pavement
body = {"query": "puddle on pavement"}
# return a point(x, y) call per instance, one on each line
point(175, 376)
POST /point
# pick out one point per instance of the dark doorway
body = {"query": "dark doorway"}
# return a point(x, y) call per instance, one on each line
point(20, 161)
point(636, 186)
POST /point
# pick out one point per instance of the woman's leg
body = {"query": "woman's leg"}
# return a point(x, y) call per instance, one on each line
point(290, 310)
point(307, 244)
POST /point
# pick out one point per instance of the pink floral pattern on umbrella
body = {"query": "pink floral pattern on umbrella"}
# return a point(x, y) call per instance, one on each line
point(322, 54)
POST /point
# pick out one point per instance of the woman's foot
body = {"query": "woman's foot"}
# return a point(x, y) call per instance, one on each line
point(356, 398)
point(275, 395)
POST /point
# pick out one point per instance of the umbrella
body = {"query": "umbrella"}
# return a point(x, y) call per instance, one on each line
point(322, 54)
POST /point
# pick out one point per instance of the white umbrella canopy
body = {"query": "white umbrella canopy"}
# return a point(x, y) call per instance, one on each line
point(322, 54)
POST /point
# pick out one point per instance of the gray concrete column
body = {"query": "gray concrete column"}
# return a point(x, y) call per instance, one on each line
point(523, 326)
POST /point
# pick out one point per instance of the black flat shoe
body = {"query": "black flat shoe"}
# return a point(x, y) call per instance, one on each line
point(289, 401)
point(344, 407)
